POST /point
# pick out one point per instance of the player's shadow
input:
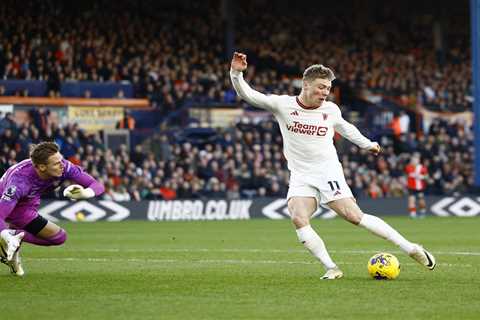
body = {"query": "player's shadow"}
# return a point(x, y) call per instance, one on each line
point(366, 278)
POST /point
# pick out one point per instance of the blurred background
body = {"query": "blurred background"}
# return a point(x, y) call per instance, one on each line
point(138, 92)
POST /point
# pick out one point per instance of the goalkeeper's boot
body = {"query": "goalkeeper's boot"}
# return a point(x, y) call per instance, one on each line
point(332, 274)
point(16, 264)
point(10, 242)
point(423, 257)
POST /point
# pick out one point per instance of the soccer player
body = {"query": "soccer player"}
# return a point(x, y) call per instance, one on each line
point(20, 190)
point(307, 123)
point(416, 176)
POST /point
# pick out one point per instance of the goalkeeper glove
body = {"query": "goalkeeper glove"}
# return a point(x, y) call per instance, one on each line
point(77, 192)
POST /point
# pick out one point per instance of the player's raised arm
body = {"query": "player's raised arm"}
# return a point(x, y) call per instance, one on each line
point(255, 98)
point(350, 132)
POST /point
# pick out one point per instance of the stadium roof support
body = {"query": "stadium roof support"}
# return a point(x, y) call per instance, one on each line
point(475, 27)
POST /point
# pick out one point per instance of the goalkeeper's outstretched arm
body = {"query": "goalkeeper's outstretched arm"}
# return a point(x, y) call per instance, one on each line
point(85, 186)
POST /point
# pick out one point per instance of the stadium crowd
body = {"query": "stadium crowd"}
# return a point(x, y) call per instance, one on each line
point(242, 161)
point(377, 52)
point(374, 52)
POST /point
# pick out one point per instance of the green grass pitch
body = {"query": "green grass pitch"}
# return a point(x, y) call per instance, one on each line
point(242, 270)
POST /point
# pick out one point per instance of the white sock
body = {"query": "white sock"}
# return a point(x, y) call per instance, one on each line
point(382, 229)
point(315, 245)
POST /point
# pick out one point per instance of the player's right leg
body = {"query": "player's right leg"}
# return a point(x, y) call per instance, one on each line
point(301, 210)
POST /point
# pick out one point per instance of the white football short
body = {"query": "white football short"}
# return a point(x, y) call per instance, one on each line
point(324, 186)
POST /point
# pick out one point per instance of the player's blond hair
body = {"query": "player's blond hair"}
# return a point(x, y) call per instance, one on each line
point(39, 153)
point(318, 71)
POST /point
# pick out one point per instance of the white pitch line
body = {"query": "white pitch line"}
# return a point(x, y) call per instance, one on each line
point(215, 261)
point(233, 250)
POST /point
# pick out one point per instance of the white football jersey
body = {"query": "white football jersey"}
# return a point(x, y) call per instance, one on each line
point(307, 132)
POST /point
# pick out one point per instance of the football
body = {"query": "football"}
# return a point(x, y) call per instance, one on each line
point(384, 266)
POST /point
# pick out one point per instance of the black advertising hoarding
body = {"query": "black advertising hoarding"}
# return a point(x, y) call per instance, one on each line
point(244, 209)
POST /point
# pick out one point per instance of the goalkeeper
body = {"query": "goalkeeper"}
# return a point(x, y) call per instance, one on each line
point(20, 190)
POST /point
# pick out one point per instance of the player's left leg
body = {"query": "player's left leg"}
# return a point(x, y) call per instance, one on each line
point(42, 232)
point(35, 230)
point(348, 209)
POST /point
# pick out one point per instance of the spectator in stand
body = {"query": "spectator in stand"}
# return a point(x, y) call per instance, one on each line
point(245, 168)
point(8, 139)
point(404, 120)
point(233, 192)
point(168, 191)
point(127, 122)
point(40, 119)
point(7, 122)
point(120, 194)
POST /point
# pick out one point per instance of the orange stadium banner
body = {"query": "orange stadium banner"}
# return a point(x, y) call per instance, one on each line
point(62, 102)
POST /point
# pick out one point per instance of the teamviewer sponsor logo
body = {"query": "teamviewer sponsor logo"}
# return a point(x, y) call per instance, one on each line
point(307, 129)
point(199, 210)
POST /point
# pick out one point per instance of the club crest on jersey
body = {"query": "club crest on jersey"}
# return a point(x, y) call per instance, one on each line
point(9, 193)
point(308, 129)
point(325, 116)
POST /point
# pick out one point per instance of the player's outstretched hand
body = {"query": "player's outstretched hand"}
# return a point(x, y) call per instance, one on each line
point(375, 149)
point(76, 192)
point(239, 61)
